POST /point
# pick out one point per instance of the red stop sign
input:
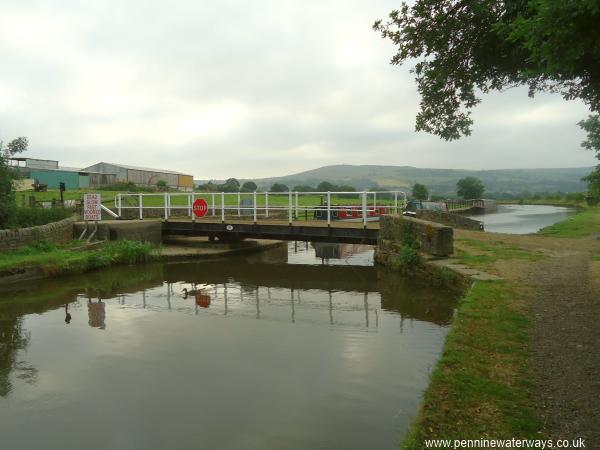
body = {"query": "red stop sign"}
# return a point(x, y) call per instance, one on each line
point(200, 207)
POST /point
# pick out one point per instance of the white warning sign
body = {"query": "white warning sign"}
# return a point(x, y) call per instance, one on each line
point(91, 207)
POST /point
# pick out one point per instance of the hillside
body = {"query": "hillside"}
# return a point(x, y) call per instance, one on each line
point(438, 181)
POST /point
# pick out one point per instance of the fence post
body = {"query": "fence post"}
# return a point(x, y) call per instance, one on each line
point(239, 211)
point(364, 208)
point(266, 204)
point(222, 207)
point(296, 205)
point(192, 200)
point(396, 201)
point(119, 206)
point(290, 207)
point(212, 204)
point(140, 200)
point(328, 208)
point(166, 202)
point(374, 201)
point(254, 202)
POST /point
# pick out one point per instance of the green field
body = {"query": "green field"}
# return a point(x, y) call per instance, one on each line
point(231, 199)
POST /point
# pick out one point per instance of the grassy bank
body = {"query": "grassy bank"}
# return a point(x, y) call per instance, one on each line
point(54, 260)
point(482, 385)
point(585, 223)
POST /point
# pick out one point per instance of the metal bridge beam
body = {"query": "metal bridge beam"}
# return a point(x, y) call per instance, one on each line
point(270, 231)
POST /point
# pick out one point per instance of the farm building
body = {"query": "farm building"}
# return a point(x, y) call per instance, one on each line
point(33, 163)
point(143, 176)
point(48, 172)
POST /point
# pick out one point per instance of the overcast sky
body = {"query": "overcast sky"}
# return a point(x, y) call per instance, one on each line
point(243, 88)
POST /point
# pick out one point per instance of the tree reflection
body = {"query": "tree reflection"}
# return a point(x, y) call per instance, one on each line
point(13, 338)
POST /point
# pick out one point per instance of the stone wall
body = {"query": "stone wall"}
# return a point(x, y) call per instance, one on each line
point(450, 219)
point(435, 239)
point(56, 232)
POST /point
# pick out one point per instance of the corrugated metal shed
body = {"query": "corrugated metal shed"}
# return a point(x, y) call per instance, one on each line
point(53, 177)
point(34, 163)
point(143, 175)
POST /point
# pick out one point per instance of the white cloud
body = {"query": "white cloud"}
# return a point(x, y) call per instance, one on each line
point(243, 89)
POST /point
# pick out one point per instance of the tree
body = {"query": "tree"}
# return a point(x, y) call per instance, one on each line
point(249, 186)
point(18, 145)
point(7, 176)
point(592, 127)
point(470, 188)
point(162, 186)
point(464, 47)
point(231, 185)
point(419, 192)
point(279, 187)
point(325, 186)
point(304, 188)
point(233, 182)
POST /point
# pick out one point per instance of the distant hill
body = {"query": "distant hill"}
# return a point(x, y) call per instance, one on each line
point(438, 181)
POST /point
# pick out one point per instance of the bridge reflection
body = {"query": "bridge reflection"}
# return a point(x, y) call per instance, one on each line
point(410, 299)
point(363, 298)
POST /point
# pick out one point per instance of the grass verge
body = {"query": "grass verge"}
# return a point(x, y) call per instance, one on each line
point(55, 260)
point(481, 386)
point(583, 224)
point(488, 253)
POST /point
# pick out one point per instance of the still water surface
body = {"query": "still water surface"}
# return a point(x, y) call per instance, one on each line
point(295, 348)
point(523, 219)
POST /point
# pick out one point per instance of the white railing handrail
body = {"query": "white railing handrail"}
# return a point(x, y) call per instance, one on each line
point(368, 206)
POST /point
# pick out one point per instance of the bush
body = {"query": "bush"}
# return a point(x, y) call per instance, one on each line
point(408, 256)
point(126, 187)
point(130, 252)
point(31, 217)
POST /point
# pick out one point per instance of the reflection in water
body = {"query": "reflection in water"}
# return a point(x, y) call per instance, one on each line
point(96, 314)
point(13, 338)
point(270, 354)
point(67, 314)
point(328, 253)
point(523, 219)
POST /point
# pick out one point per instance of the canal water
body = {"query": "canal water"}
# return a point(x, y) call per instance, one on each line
point(523, 219)
point(301, 347)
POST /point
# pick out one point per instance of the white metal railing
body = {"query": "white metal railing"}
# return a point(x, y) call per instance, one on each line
point(292, 205)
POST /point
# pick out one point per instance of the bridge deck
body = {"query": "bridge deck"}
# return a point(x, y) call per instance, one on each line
point(311, 230)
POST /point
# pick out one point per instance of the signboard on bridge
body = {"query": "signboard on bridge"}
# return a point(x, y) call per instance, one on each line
point(92, 207)
point(200, 207)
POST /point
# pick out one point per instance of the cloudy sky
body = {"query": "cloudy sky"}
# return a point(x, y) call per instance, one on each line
point(243, 88)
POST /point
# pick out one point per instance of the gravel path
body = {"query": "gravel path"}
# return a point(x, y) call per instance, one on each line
point(565, 329)
point(565, 341)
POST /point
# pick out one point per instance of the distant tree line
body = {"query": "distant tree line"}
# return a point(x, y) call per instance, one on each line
point(323, 186)
point(233, 185)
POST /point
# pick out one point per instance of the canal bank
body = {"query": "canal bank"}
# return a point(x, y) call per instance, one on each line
point(70, 247)
point(519, 359)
